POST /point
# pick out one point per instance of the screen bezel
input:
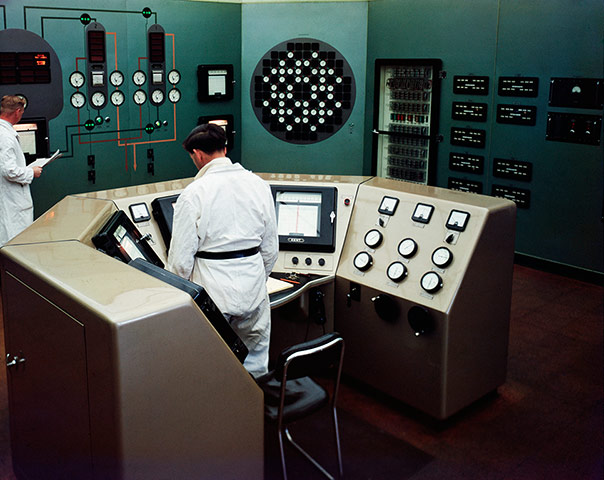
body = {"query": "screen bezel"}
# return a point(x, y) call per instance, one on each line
point(325, 242)
point(41, 138)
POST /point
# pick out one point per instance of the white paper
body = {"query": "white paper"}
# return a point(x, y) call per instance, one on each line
point(41, 162)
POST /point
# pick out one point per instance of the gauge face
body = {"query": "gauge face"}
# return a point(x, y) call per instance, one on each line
point(78, 100)
point(373, 238)
point(431, 282)
point(139, 97)
point(407, 248)
point(98, 99)
point(116, 78)
point(157, 96)
point(117, 98)
point(76, 79)
point(363, 261)
point(174, 95)
point(174, 77)
point(139, 78)
point(442, 257)
point(396, 271)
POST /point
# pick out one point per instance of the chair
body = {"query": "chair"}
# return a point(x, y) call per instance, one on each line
point(291, 395)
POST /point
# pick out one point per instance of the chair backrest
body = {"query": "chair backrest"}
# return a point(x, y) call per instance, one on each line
point(311, 358)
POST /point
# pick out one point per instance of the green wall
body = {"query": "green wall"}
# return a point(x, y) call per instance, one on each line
point(537, 38)
point(202, 33)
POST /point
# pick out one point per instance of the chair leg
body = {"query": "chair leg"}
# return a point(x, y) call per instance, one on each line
point(338, 448)
point(308, 457)
point(281, 449)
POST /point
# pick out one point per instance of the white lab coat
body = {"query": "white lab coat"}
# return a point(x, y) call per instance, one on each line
point(16, 206)
point(228, 208)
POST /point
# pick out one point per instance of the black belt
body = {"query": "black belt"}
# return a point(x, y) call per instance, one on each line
point(226, 255)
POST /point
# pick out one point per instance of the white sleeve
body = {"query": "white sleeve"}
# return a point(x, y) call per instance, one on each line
point(269, 247)
point(184, 242)
point(9, 168)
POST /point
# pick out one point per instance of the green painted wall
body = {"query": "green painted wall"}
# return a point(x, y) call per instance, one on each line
point(537, 38)
point(202, 33)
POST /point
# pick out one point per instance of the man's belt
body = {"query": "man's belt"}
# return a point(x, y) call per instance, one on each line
point(226, 255)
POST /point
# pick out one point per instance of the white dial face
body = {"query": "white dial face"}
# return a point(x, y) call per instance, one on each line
point(139, 97)
point(78, 100)
point(373, 238)
point(117, 98)
point(396, 271)
point(76, 79)
point(363, 261)
point(174, 95)
point(116, 78)
point(407, 247)
point(98, 99)
point(442, 257)
point(139, 78)
point(174, 77)
point(157, 96)
point(431, 282)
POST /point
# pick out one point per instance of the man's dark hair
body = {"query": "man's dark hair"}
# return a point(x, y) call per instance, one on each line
point(208, 138)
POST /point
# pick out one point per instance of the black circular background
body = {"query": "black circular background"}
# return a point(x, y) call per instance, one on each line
point(302, 91)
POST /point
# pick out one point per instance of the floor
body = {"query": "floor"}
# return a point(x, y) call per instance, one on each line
point(545, 422)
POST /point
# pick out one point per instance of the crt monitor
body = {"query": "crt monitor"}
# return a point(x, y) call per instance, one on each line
point(306, 217)
point(33, 137)
point(119, 238)
point(163, 212)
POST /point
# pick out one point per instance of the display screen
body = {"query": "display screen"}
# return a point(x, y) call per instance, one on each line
point(299, 213)
point(126, 243)
point(33, 138)
point(305, 217)
point(27, 137)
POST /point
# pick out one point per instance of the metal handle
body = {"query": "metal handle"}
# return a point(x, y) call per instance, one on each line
point(14, 362)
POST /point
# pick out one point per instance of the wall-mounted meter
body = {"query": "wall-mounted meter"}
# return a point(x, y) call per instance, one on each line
point(156, 53)
point(96, 65)
point(214, 82)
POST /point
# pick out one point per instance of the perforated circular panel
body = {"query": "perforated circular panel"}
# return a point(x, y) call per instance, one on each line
point(302, 91)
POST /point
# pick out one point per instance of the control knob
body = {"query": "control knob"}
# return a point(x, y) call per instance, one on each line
point(363, 261)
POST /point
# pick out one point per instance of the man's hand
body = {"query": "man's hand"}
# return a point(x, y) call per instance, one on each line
point(37, 171)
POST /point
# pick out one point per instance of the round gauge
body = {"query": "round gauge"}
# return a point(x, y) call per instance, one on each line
point(78, 100)
point(363, 261)
point(174, 77)
point(117, 98)
point(98, 99)
point(174, 95)
point(396, 271)
point(157, 96)
point(373, 238)
point(139, 97)
point(442, 257)
point(431, 282)
point(139, 78)
point(77, 79)
point(407, 248)
point(116, 78)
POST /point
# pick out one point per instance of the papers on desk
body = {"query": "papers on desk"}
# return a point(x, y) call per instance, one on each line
point(274, 285)
point(41, 162)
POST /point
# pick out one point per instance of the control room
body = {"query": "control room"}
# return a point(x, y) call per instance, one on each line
point(304, 239)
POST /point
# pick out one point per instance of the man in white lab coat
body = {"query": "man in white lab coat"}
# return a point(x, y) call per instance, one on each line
point(16, 205)
point(224, 238)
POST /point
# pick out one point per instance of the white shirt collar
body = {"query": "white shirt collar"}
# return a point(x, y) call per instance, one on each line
point(219, 161)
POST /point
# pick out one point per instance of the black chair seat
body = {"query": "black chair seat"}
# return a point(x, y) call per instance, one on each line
point(303, 397)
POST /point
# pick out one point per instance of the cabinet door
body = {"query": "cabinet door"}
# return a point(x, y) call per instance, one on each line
point(48, 392)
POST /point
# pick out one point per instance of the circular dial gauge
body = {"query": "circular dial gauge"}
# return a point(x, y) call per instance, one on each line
point(442, 257)
point(174, 77)
point(98, 99)
point(139, 78)
point(373, 238)
point(431, 282)
point(139, 97)
point(116, 78)
point(396, 271)
point(117, 98)
point(363, 261)
point(78, 100)
point(157, 96)
point(407, 248)
point(76, 79)
point(174, 95)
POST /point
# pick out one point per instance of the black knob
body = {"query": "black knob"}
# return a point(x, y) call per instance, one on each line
point(295, 260)
point(321, 261)
point(308, 261)
point(386, 307)
point(420, 320)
